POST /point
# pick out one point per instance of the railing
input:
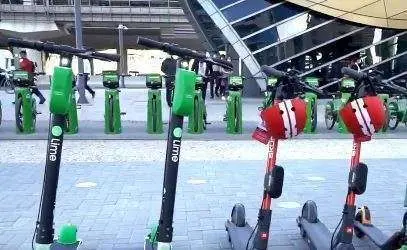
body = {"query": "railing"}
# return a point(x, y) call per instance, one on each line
point(145, 11)
point(132, 3)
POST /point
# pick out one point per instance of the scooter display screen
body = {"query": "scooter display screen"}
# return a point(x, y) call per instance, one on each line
point(312, 81)
point(348, 83)
point(235, 83)
point(110, 79)
point(22, 78)
point(271, 81)
point(199, 84)
point(235, 80)
point(154, 81)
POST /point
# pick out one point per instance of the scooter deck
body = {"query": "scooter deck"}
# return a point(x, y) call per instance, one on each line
point(378, 237)
point(317, 233)
point(148, 245)
point(238, 235)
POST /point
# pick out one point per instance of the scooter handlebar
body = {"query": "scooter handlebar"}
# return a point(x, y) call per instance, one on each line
point(107, 57)
point(354, 73)
point(182, 52)
point(62, 49)
point(391, 85)
point(21, 43)
point(270, 71)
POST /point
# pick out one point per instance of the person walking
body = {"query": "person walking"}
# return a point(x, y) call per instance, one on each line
point(87, 87)
point(27, 65)
point(216, 79)
point(224, 80)
point(203, 69)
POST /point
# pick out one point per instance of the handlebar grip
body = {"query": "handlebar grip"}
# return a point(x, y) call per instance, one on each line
point(396, 87)
point(182, 52)
point(21, 43)
point(270, 71)
point(105, 56)
point(149, 43)
point(354, 73)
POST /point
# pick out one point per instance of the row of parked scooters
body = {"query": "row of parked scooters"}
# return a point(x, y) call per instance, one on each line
point(284, 116)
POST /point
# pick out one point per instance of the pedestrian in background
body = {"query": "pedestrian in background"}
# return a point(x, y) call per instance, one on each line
point(203, 69)
point(225, 80)
point(215, 83)
point(29, 66)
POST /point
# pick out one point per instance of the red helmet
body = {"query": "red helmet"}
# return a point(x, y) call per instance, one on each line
point(364, 116)
point(285, 119)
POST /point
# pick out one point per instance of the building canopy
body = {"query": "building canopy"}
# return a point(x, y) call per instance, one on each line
point(379, 13)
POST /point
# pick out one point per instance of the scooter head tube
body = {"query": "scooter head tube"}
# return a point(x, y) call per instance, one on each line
point(285, 119)
point(184, 92)
point(364, 116)
point(61, 90)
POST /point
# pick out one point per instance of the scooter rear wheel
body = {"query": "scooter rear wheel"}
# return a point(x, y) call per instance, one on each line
point(238, 216)
point(310, 212)
point(111, 118)
point(314, 117)
point(358, 218)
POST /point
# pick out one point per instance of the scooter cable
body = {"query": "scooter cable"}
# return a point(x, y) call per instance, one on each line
point(42, 194)
point(254, 229)
point(251, 235)
point(336, 228)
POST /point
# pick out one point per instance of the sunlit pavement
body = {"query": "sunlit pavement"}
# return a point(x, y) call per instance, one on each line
point(112, 189)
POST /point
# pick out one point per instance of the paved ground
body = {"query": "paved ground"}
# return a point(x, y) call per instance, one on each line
point(111, 189)
point(134, 102)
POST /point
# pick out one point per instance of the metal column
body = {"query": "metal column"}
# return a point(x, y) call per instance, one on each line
point(121, 27)
point(79, 44)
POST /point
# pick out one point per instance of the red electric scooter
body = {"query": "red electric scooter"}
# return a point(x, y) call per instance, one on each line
point(282, 120)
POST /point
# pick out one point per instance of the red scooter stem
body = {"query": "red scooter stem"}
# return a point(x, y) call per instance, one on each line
point(357, 145)
point(271, 163)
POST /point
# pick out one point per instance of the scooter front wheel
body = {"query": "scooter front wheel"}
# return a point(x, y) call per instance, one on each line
point(238, 216)
point(19, 113)
point(330, 115)
point(34, 111)
point(310, 211)
point(394, 118)
point(1, 113)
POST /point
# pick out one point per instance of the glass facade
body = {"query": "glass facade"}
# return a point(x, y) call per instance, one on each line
point(243, 9)
point(284, 35)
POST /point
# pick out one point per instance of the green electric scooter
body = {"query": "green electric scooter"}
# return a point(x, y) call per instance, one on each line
point(154, 107)
point(71, 127)
point(161, 235)
point(60, 104)
point(113, 124)
point(397, 107)
point(234, 105)
point(333, 106)
point(310, 99)
point(25, 105)
point(197, 120)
